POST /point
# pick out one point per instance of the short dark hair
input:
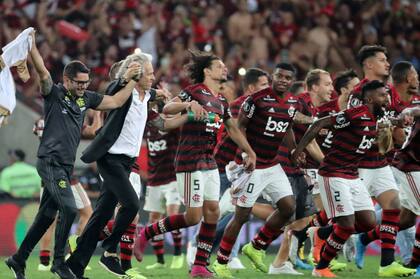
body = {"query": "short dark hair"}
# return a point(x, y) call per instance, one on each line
point(369, 51)
point(371, 86)
point(199, 61)
point(74, 67)
point(296, 86)
point(400, 70)
point(313, 77)
point(342, 79)
point(287, 67)
point(19, 154)
point(252, 75)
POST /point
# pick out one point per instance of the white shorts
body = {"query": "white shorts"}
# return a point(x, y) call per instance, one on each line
point(342, 197)
point(410, 190)
point(159, 197)
point(272, 183)
point(136, 183)
point(378, 181)
point(313, 175)
point(198, 186)
point(80, 196)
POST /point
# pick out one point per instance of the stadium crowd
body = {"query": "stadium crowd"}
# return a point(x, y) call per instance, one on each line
point(246, 33)
point(316, 151)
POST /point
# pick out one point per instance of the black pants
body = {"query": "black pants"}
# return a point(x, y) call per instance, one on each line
point(57, 195)
point(116, 187)
point(304, 204)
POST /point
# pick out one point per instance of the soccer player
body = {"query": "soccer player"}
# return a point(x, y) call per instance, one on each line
point(65, 108)
point(375, 171)
point(196, 170)
point(319, 85)
point(344, 196)
point(162, 193)
point(408, 175)
point(266, 117)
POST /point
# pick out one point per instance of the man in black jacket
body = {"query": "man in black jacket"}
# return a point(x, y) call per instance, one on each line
point(115, 148)
point(65, 106)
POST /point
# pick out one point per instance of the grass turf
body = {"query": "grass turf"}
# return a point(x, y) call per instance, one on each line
point(370, 270)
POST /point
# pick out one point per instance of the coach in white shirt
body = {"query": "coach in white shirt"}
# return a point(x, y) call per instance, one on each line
point(115, 156)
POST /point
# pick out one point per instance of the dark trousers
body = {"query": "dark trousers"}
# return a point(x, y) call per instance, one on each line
point(57, 195)
point(116, 188)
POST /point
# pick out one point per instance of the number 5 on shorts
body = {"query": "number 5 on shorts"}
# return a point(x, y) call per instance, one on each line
point(196, 184)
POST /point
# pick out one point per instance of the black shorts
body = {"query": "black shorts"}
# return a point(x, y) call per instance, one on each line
point(304, 202)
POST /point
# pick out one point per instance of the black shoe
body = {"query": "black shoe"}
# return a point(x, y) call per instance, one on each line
point(18, 269)
point(62, 271)
point(112, 264)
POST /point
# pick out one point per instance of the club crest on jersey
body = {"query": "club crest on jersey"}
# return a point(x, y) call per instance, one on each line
point(184, 96)
point(341, 121)
point(291, 111)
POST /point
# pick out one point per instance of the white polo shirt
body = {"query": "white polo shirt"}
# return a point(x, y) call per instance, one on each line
point(129, 141)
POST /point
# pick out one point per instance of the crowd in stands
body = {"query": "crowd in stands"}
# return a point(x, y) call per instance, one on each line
point(245, 33)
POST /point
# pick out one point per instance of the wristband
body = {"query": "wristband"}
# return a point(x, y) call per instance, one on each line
point(190, 115)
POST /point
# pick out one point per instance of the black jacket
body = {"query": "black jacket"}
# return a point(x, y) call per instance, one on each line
point(109, 133)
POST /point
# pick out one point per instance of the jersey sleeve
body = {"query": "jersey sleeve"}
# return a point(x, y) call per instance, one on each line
point(248, 107)
point(344, 118)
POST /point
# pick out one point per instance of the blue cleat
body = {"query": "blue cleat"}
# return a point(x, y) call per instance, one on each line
point(302, 265)
point(360, 253)
point(417, 272)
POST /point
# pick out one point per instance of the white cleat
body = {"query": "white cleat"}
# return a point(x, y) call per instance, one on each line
point(286, 268)
point(235, 263)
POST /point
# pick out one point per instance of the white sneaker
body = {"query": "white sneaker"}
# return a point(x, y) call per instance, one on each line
point(286, 268)
point(191, 251)
point(235, 263)
point(349, 248)
point(42, 267)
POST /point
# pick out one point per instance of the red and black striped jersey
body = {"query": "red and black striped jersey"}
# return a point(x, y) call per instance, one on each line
point(354, 132)
point(161, 147)
point(324, 139)
point(269, 117)
point(374, 159)
point(408, 157)
point(226, 149)
point(197, 139)
point(399, 106)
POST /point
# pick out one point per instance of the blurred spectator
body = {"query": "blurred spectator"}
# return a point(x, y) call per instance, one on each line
point(91, 181)
point(244, 33)
point(19, 179)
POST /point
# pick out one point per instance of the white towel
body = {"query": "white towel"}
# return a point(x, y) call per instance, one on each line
point(15, 51)
point(237, 175)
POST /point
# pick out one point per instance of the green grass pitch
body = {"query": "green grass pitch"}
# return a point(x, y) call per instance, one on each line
point(370, 270)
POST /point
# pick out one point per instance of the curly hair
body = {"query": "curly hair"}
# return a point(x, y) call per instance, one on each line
point(198, 62)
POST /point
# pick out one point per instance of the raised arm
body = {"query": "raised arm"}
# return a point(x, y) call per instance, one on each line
point(300, 118)
point(118, 99)
point(46, 82)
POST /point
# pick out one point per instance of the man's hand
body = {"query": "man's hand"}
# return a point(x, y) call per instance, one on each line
point(199, 112)
point(133, 72)
point(163, 93)
point(405, 119)
point(298, 159)
point(249, 160)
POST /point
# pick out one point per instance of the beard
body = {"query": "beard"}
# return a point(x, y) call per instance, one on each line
point(379, 111)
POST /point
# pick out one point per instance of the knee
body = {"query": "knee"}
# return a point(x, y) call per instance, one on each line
point(192, 219)
point(241, 218)
point(132, 206)
point(287, 208)
point(70, 212)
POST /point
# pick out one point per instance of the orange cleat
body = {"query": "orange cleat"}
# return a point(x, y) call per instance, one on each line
point(325, 272)
point(317, 243)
